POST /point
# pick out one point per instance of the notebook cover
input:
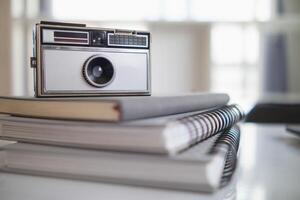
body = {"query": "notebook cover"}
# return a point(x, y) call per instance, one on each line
point(110, 108)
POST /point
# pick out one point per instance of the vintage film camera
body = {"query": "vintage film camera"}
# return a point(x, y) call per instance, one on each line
point(75, 60)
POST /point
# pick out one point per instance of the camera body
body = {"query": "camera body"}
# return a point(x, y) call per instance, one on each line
point(75, 60)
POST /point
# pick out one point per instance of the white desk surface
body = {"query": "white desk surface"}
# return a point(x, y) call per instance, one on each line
point(268, 168)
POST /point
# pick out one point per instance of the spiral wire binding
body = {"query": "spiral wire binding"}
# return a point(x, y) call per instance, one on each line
point(204, 125)
point(228, 142)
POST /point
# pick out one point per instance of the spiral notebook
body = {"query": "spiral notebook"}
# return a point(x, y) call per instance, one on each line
point(205, 166)
point(164, 135)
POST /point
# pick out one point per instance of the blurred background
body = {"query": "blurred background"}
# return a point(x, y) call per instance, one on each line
point(243, 47)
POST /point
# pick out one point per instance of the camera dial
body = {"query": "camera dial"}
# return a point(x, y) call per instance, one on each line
point(98, 71)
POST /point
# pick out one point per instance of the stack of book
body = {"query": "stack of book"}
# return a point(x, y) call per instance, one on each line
point(187, 142)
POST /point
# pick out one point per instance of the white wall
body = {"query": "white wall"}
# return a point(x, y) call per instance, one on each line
point(180, 57)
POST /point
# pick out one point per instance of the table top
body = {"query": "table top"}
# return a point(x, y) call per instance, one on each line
point(268, 168)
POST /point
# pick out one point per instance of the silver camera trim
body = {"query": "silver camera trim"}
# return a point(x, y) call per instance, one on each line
point(39, 84)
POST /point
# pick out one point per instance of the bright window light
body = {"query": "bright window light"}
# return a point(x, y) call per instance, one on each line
point(234, 44)
point(221, 81)
point(229, 10)
point(155, 10)
point(175, 11)
point(235, 59)
point(251, 47)
point(227, 44)
point(106, 10)
point(263, 10)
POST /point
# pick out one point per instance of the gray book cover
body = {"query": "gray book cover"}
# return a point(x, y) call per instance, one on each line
point(110, 108)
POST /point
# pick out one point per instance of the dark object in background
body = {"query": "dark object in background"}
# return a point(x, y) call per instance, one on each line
point(276, 108)
point(275, 62)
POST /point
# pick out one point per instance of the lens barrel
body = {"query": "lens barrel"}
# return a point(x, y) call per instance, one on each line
point(98, 71)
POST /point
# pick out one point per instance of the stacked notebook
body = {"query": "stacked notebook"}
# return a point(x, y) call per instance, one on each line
point(187, 142)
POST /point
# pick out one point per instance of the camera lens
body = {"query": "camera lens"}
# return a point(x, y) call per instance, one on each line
point(98, 71)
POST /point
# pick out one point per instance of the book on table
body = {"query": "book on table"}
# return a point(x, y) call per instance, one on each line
point(205, 166)
point(187, 142)
point(168, 134)
point(112, 109)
